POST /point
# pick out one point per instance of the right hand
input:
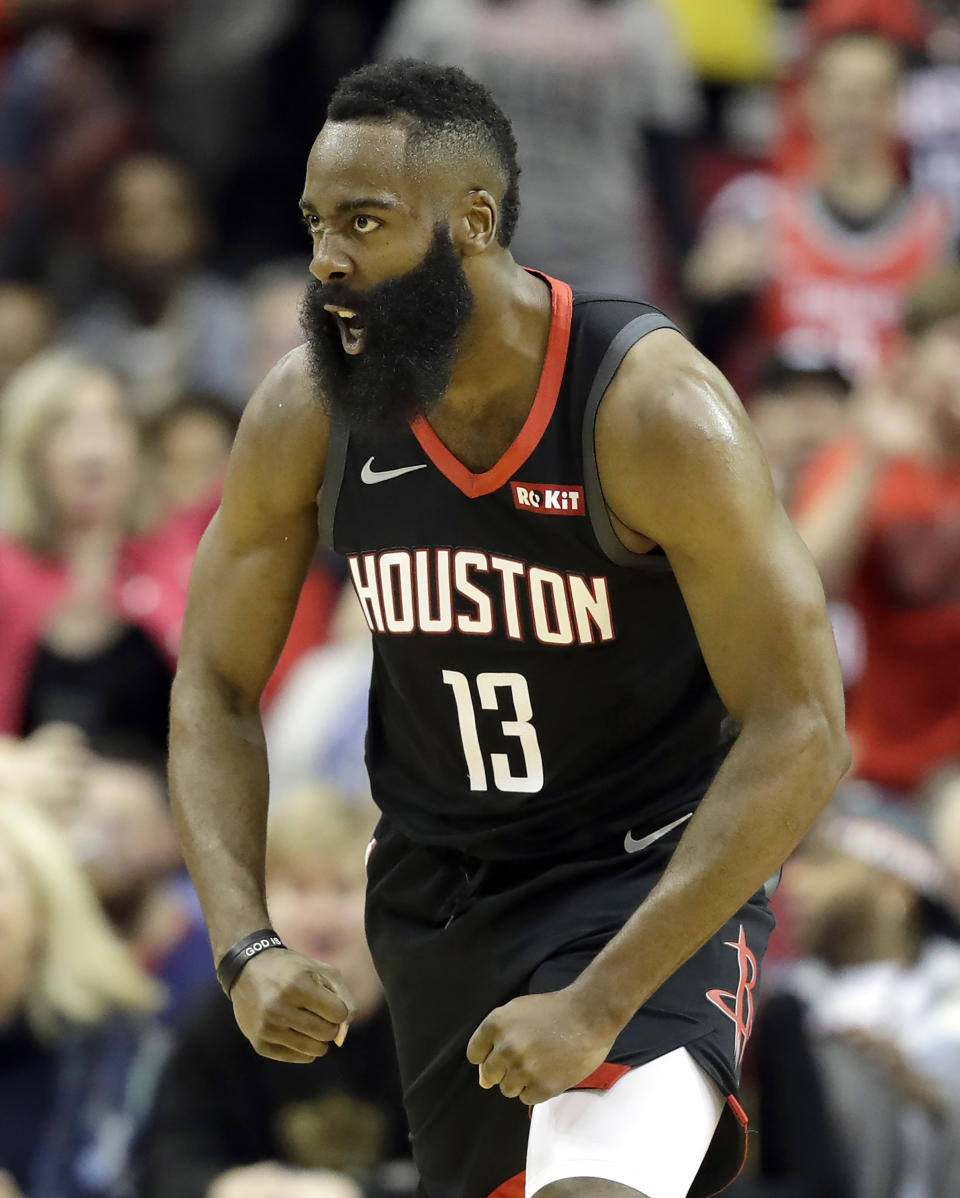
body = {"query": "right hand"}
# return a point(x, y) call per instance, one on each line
point(731, 259)
point(290, 1007)
point(887, 420)
point(48, 767)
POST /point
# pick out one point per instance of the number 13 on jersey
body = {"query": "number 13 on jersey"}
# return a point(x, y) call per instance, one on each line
point(487, 687)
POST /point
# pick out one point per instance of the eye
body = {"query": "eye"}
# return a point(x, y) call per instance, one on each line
point(312, 222)
point(365, 224)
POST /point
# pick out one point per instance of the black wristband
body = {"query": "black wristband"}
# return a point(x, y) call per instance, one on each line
point(239, 954)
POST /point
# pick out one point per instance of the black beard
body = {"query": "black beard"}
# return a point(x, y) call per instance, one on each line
point(412, 325)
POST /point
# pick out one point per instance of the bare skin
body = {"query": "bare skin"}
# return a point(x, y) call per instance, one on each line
point(680, 468)
point(679, 460)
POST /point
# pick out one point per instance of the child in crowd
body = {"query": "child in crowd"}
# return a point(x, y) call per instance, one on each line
point(92, 589)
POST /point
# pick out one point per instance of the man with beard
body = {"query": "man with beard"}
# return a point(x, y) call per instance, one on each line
point(605, 701)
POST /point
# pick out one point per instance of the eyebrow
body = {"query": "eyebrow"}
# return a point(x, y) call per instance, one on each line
point(362, 203)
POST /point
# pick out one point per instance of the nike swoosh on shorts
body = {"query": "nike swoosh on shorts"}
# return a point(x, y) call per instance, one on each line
point(633, 845)
point(369, 475)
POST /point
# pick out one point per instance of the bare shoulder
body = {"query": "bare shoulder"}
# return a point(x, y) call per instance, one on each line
point(285, 413)
point(672, 437)
point(276, 465)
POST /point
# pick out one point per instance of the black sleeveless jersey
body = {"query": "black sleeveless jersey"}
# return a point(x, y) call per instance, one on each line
point(537, 688)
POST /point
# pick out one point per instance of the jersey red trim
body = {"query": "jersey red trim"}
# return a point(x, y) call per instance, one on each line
point(544, 402)
point(741, 1117)
point(511, 1188)
point(602, 1077)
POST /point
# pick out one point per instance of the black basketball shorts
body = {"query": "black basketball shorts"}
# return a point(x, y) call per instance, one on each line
point(453, 938)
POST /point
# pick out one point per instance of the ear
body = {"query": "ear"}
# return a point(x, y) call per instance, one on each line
point(474, 223)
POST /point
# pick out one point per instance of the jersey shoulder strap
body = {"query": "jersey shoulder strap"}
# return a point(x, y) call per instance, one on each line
point(604, 329)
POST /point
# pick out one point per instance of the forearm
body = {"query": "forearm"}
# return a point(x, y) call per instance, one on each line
point(834, 525)
point(219, 789)
point(769, 790)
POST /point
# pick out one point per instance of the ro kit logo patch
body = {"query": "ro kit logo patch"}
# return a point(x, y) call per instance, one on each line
point(548, 499)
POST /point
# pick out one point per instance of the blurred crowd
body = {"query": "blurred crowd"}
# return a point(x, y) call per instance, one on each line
point(784, 179)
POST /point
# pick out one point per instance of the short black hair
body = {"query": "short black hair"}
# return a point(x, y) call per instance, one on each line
point(447, 111)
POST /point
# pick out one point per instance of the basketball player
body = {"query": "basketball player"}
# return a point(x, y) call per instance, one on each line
point(605, 701)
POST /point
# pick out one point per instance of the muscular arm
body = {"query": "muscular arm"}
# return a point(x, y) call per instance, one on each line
point(680, 467)
point(679, 464)
point(246, 578)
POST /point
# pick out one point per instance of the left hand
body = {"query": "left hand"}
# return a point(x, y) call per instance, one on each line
point(538, 1045)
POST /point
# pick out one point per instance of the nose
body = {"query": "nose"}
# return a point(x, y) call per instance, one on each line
point(329, 263)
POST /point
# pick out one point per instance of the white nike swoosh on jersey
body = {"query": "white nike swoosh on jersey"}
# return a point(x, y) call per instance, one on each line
point(369, 475)
point(634, 846)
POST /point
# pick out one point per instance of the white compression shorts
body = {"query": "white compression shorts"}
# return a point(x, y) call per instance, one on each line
point(650, 1131)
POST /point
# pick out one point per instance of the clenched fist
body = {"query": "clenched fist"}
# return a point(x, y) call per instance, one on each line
point(291, 1007)
point(536, 1046)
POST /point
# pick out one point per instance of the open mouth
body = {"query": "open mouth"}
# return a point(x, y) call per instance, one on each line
point(351, 331)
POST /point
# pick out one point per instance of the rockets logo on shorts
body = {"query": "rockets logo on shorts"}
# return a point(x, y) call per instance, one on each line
point(548, 499)
point(738, 1005)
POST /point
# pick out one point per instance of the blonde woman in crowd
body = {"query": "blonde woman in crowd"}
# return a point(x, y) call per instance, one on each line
point(92, 595)
point(78, 1054)
point(231, 1124)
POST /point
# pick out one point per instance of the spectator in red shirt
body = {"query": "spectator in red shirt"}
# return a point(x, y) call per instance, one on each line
point(880, 511)
point(824, 262)
point(91, 595)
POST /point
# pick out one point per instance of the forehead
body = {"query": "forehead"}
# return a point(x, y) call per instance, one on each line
point(858, 60)
point(93, 391)
point(356, 159)
point(148, 182)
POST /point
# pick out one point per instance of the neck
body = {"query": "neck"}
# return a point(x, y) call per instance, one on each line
point(859, 184)
point(87, 542)
point(12, 996)
point(148, 295)
point(945, 448)
point(9, 1009)
point(862, 943)
point(503, 345)
point(895, 942)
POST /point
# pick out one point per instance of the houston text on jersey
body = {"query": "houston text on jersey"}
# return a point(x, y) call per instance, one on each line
point(442, 591)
